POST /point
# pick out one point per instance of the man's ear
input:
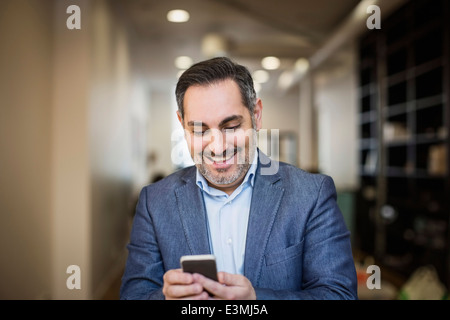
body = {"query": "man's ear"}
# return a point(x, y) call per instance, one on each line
point(257, 112)
point(180, 118)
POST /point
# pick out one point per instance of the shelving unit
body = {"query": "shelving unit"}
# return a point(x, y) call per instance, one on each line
point(403, 212)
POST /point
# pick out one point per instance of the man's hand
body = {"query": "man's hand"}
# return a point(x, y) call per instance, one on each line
point(229, 287)
point(181, 285)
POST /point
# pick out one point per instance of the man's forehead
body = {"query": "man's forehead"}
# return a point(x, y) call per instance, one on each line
point(213, 103)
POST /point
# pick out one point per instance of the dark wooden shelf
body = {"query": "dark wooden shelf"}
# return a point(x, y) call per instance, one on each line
point(407, 65)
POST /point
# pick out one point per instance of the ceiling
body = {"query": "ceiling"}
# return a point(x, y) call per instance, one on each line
point(251, 30)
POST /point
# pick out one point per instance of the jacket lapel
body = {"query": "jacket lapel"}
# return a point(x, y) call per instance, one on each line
point(193, 215)
point(266, 200)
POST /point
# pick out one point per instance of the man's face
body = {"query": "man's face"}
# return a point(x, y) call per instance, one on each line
point(220, 132)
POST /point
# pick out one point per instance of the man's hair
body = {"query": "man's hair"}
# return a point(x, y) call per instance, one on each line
point(212, 71)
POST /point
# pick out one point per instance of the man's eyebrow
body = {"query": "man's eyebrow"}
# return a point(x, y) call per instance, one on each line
point(230, 118)
point(194, 123)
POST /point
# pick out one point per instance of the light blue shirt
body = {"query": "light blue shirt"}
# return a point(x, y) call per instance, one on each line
point(228, 220)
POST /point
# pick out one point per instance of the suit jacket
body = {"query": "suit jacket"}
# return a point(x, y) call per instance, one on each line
point(297, 247)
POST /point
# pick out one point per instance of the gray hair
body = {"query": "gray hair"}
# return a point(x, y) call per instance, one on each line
point(215, 70)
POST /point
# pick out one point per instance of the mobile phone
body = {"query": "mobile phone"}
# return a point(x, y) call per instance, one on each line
point(204, 264)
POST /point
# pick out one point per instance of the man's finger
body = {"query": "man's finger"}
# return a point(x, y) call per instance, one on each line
point(180, 291)
point(177, 276)
point(211, 286)
point(230, 279)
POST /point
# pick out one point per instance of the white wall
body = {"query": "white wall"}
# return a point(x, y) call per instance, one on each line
point(280, 111)
point(160, 128)
point(335, 97)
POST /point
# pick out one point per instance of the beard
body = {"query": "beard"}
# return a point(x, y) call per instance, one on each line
point(222, 176)
point(242, 163)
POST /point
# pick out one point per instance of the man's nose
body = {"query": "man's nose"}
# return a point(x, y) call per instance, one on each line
point(217, 142)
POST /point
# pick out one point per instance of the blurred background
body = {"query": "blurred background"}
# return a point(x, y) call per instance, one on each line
point(87, 118)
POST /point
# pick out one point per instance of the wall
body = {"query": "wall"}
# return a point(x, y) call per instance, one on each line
point(100, 123)
point(280, 111)
point(307, 125)
point(117, 122)
point(25, 135)
point(160, 128)
point(335, 100)
point(72, 147)
point(70, 154)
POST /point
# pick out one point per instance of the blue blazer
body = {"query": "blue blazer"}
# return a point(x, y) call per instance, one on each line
point(297, 247)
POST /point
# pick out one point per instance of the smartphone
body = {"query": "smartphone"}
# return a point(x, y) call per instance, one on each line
point(204, 264)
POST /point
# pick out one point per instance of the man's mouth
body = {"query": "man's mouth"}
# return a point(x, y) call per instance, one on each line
point(224, 159)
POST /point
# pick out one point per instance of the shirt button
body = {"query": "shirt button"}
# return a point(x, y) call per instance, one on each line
point(229, 241)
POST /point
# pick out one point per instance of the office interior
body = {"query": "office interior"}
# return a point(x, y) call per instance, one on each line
point(88, 118)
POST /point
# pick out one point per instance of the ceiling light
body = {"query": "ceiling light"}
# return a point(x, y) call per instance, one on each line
point(178, 16)
point(214, 45)
point(260, 76)
point(183, 62)
point(270, 63)
point(302, 65)
point(285, 80)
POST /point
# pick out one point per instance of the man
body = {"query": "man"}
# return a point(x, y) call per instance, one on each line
point(276, 230)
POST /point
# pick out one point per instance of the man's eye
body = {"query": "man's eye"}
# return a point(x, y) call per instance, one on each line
point(233, 128)
point(199, 133)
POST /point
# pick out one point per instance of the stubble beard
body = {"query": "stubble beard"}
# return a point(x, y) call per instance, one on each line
point(220, 176)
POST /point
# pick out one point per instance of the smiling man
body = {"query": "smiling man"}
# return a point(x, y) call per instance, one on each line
point(275, 236)
point(223, 161)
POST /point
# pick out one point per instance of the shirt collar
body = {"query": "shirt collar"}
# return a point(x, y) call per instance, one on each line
point(250, 176)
